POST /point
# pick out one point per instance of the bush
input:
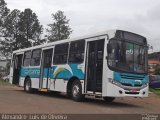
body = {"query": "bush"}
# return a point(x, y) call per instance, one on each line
point(157, 71)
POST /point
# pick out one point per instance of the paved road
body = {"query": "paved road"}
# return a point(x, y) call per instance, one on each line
point(15, 100)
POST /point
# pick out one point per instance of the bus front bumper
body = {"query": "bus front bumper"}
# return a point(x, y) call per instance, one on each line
point(118, 90)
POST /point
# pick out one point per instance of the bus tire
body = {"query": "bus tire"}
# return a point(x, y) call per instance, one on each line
point(27, 85)
point(76, 92)
point(108, 99)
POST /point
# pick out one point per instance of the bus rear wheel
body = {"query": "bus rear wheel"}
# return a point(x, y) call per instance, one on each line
point(77, 91)
point(27, 85)
point(108, 99)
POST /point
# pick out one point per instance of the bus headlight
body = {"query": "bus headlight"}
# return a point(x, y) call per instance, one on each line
point(145, 85)
point(112, 81)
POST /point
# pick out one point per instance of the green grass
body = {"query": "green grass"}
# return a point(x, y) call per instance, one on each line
point(155, 91)
point(2, 82)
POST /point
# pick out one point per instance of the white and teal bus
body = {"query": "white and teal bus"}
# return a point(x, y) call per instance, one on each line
point(108, 65)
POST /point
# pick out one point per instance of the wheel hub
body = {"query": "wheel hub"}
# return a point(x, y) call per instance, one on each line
point(27, 86)
point(75, 90)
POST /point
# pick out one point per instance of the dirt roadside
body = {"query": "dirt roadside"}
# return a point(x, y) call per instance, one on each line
point(14, 100)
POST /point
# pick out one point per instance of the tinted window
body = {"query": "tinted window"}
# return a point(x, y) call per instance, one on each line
point(27, 58)
point(76, 52)
point(47, 58)
point(36, 56)
point(131, 37)
point(127, 56)
point(61, 54)
point(19, 60)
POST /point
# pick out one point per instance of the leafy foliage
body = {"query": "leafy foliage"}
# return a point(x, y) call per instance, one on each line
point(3, 14)
point(157, 71)
point(23, 30)
point(30, 28)
point(59, 29)
point(11, 42)
point(154, 56)
point(18, 30)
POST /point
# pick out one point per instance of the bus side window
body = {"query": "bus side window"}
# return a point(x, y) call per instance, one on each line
point(76, 52)
point(36, 57)
point(61, 53)
point(27, 58)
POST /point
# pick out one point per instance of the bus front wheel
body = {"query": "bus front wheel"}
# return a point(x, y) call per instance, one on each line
point(27, 85)
point(108, 99)
point(77, 91)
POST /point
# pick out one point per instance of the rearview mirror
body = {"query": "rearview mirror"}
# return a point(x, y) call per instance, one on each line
point(109, 48)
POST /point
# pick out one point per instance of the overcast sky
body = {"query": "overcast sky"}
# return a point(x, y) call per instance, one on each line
point(91, 16)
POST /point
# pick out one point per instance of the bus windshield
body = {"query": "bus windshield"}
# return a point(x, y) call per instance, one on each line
point(127, 56)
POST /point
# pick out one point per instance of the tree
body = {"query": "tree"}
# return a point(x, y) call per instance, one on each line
point(12, 33)
point(3, 14)
point(30, 29)
point(157, 71)
point(39, 42)
point(6, 48)
point(7, 68)
point(11, 41)
point(23, 30)
point(59, 29)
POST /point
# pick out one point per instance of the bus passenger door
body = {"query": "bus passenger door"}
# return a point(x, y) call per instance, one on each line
point(95, 65)
point(17, 64)
point(46, 67)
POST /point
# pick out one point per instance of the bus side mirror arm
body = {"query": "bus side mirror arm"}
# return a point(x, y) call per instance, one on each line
point(109, 48)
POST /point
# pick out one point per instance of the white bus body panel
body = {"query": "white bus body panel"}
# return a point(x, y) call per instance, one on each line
point(21, 81)
point(35, 82)
point(58, 85)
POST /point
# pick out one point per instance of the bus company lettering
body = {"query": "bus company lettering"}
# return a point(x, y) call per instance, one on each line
point(32, 72)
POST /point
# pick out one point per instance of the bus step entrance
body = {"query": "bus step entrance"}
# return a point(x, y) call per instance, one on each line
point(95, 94)
point(43, 90)
point(98, 96)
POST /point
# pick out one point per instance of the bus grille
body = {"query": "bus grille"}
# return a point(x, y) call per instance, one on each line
point(135, 85)
point(132, 93)
point(126, 84)
point(132, 77)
